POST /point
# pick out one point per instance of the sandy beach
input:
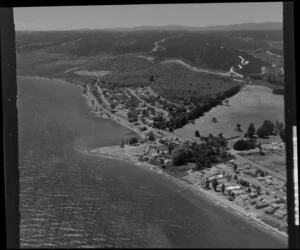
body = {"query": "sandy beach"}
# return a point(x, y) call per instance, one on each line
point(130, 154)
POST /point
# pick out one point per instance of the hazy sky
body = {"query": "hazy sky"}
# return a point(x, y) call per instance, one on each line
point(99, 17)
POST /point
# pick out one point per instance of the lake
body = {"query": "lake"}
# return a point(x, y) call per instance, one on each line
point(253, 103)
point(70, 200)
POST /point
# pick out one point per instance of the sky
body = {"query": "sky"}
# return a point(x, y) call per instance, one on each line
point(124, 16)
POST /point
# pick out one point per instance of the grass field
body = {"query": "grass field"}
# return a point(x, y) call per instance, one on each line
point(172, 81)
point(253, 104)
point(273, 161)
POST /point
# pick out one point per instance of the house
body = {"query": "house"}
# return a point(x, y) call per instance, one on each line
point(237, 192)
point(261, 204)
point(251, 172)
point(280, 213)
point(233, 187)
point(271, 210)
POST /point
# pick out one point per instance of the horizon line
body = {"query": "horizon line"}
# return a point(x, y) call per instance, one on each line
point(152, 26)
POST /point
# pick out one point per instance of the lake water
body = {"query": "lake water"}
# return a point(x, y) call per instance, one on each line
point(68, 199)
point(252, 104)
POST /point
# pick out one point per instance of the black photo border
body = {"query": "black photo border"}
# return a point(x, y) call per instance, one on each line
point(10, 117)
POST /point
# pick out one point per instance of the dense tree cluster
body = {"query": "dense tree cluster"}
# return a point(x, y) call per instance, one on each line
point(212, 149)
point(262, 132)
point(181, 155)
point(267, 129)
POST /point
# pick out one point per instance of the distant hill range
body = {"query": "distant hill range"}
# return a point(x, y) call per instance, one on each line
point(232, 27)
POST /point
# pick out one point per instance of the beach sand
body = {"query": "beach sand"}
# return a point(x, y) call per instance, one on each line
point(130, 154)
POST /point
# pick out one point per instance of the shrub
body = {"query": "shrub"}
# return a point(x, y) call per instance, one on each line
point(197, 134)
point(151, 136)
point(244, 145)
point(238, 127)
point(133, 140)
point(151, 79)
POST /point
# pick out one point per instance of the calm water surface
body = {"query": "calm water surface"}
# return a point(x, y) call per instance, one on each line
point(70, 200)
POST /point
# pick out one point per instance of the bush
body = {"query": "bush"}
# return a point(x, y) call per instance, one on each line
point(133, 140)
point(143, 128)
point(132, 116)
point(197, 134)
point(238, 127)
point(244, 145)
point(151, 136)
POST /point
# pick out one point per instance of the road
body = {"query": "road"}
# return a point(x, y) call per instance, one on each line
point(156, 44)
point(104, 100)
point(142, 101)
point(195, 69)
point(231, 71)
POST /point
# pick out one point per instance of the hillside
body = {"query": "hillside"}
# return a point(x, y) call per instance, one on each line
point(129, 56)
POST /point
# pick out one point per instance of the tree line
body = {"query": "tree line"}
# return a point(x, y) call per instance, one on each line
point(180, 118)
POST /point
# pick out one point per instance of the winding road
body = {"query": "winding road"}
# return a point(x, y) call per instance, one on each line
point(157, 46)
point(231, 72)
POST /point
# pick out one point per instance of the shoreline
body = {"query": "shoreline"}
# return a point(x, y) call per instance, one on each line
point(198, 191)
point(211, 197)
point(51, 79)
point(91, 98)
